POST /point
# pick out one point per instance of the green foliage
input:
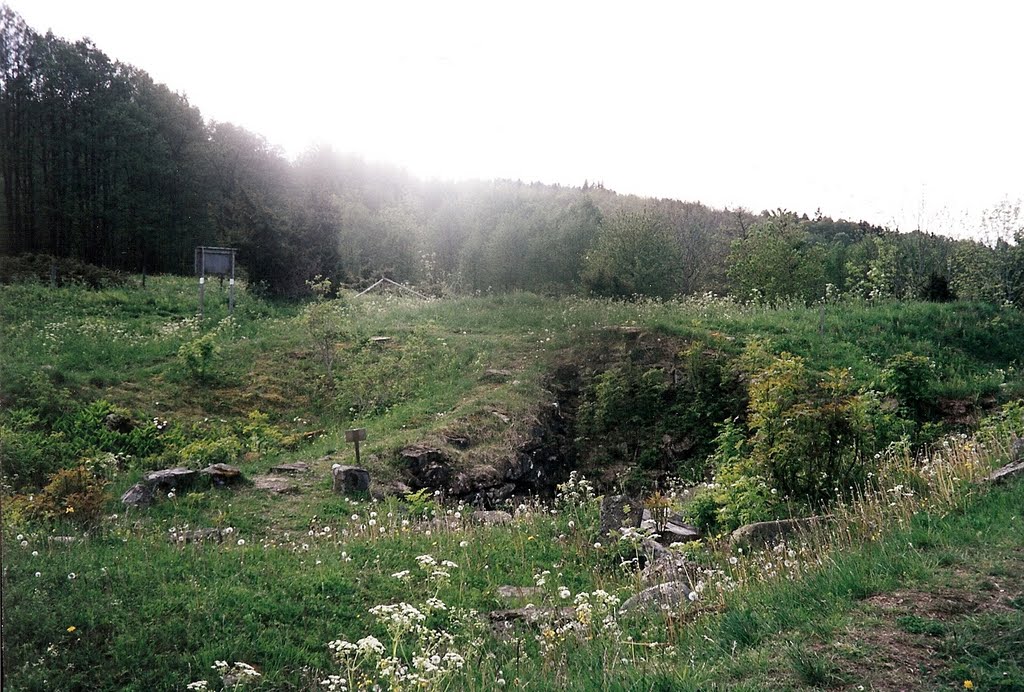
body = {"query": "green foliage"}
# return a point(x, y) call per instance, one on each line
point(199, 356)
point(202, 453)
point(740, 494)
point(422, 503)
point(814, 440)
point(28, 452)
point(635, 255)
point(909, 378)
point(776, 261)
point(324, 320)
point(656, 419)
point(72, 495)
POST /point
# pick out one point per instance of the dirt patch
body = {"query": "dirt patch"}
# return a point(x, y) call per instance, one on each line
point(888, 660)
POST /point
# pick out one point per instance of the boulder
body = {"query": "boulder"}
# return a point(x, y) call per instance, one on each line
point(293, 468)
point(119, 423)
point(275, 484)
point(669, 568)
point(138, 495)
point(430, 467)
point(491, 518)
point(350, 479)
point(1017, 450)
point(497, 375)
point(669, 596)
point(222, 474)
point(165, 480)
point(765, 533)
point(618, 511)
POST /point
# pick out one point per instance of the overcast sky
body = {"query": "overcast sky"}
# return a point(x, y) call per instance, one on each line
point(906, 114)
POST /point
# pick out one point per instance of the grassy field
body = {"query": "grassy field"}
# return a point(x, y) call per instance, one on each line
point(102, 597)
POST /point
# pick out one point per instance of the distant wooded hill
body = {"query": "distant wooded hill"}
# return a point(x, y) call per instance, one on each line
point(102, 165)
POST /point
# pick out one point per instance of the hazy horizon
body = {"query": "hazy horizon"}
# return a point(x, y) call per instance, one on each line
point(902, 116)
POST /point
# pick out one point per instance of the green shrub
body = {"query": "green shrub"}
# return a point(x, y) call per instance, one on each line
point(198, 357)
point(202, 453)
point(87, 432)
point(72, 495)
point(909, 378)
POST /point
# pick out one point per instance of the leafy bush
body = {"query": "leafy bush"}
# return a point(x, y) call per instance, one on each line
point(660, 419)
point(198, 356)
point(909, 378)
point(73, 495)
point(202, 453)
point(88, 431)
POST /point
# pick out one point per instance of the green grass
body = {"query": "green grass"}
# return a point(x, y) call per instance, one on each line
point(150, 615)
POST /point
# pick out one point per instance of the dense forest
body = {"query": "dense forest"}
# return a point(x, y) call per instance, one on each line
point(102, 165)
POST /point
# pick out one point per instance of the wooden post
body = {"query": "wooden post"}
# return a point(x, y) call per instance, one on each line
point(356, 435)
point(231, 287)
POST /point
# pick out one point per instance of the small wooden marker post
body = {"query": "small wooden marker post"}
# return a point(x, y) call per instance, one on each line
point(356, 435)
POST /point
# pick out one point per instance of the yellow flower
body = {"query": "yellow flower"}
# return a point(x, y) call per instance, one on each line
point(968, 685)
point(69, 510)
point(72, 628)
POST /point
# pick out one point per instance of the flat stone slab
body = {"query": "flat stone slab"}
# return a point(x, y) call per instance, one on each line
point(678, 533)
point(669, 568)
point(1007, 472)
point(294, 467)
point(275, 484)
point(491, 518)
point(672, 595)
point(222, 474)
point(507, 591)
point(169, 479)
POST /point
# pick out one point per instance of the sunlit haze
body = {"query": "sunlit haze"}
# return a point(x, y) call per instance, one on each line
point(902, 114)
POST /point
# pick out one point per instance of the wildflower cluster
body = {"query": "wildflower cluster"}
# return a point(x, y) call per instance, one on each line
point(431, 631)
point(232, 676)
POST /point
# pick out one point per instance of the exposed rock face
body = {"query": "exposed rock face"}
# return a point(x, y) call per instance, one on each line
point(532, 615)
point(672, 595)
point(491, 518)
point(116, 422)
point(138, 495)
point(768, 532)
point(618, 511)
point(222, 474)
point(430, 467)
point(275, 484)
point(669, 568)
point(672, 532)
point(350, 479)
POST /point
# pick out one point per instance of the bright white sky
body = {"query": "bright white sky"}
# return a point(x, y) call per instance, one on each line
point(906, 114)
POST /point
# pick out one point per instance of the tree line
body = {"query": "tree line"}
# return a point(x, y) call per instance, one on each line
point(101, 164)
